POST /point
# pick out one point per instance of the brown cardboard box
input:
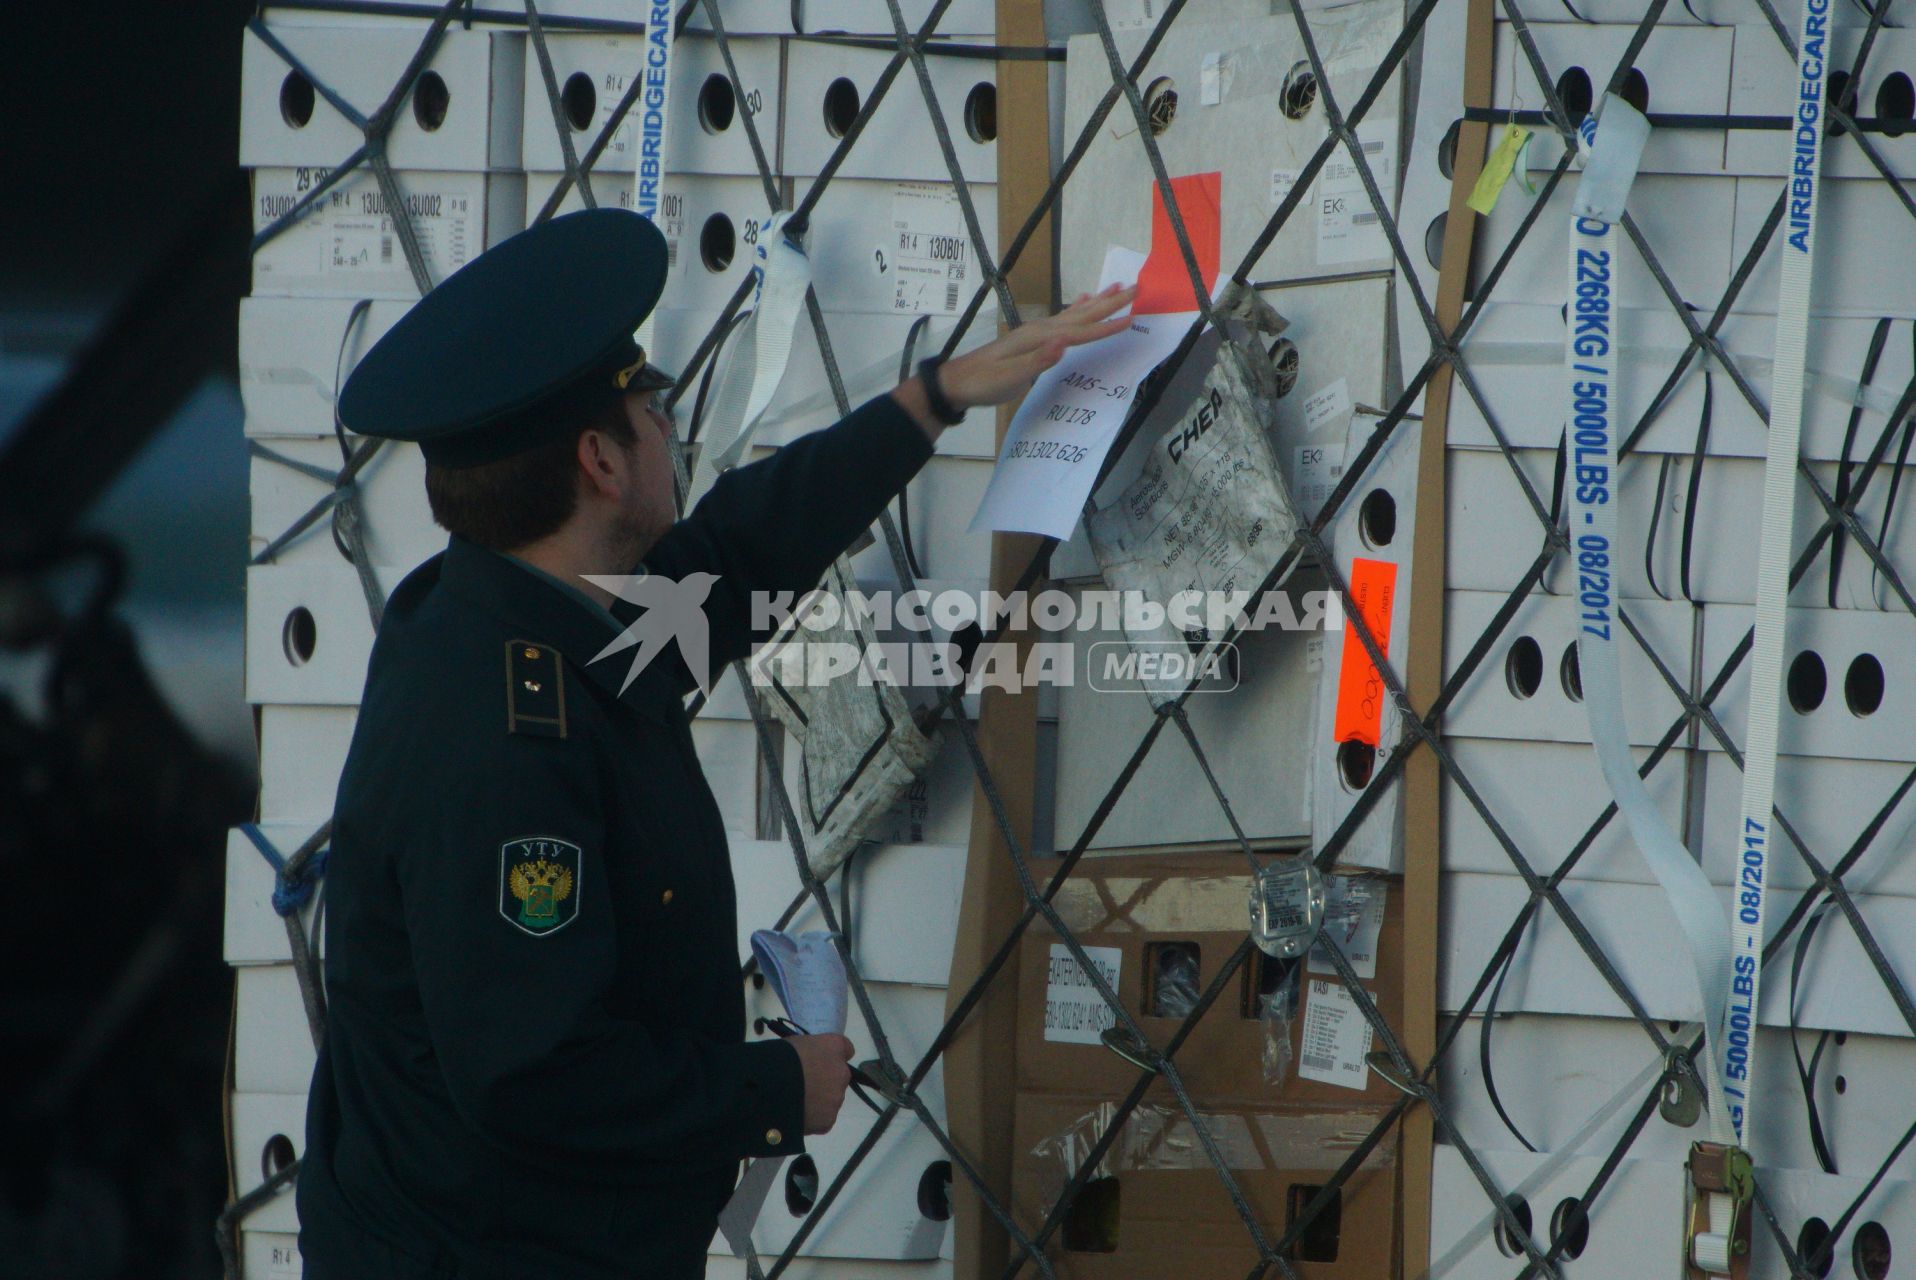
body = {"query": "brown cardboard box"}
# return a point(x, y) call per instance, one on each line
point(1124, 909)
point(1156, 1207)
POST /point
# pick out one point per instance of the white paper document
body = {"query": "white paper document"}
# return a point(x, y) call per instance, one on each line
point(1348, 229)
point(808, 976)
point(1059, 437)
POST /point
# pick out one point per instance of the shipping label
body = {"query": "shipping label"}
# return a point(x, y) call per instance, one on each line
point(932, 259)
point(1074, 1012)
point(1336, 1039)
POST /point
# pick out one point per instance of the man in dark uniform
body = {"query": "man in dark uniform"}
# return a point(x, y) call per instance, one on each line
point(535, 1063)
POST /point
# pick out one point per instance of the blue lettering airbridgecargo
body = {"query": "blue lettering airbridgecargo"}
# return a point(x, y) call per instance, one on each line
point(1809, 117)
point(658, 82)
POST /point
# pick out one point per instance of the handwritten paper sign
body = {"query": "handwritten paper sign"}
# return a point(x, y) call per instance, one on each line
point(1059, 437)
point(1064, 428)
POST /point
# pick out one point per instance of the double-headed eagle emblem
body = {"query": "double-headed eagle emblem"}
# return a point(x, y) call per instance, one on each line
point(538, 877)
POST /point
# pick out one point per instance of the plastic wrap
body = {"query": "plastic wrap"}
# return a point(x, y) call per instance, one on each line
point(1276, 1011)
point(859, 746)
point(1210, 514)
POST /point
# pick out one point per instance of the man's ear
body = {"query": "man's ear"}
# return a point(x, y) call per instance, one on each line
point(604, 468)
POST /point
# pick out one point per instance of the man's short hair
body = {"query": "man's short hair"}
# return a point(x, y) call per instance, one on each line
point(507, 504)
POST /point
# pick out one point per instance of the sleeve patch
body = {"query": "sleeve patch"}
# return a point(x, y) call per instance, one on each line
point(539, 883)
point(535, 689)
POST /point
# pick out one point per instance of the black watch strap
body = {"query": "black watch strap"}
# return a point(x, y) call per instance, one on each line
point(941, 408)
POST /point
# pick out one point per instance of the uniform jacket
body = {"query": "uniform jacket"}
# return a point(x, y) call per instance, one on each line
point(535, 1061)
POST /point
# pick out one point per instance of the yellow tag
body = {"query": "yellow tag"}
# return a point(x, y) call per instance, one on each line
point(1490, 183)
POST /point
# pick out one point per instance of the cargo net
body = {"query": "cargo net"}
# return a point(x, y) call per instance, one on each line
point(1276, 1245)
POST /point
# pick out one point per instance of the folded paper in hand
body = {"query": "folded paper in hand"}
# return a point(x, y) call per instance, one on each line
point(808, 976)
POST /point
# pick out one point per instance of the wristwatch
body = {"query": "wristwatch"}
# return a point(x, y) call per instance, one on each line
point(941, 408)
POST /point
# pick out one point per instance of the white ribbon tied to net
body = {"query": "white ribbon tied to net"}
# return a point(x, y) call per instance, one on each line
point(782, 276)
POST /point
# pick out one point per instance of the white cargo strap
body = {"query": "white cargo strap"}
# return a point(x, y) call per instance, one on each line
point(1837, 388)
point(1711, 1250)
point(740, 1213)
point(783, 275)
point(1590, 346)
point(648, 172)
point(1591, 337)
point(1777, 531)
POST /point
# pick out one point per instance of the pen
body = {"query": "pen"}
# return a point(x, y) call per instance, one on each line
point(785, 1029)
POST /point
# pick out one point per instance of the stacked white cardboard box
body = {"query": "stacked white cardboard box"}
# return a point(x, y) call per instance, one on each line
point(476, 154)
point(1240, 74)
point(891, 1217)
point(1563, 1044)
point(322, 293)
point(1518, 732)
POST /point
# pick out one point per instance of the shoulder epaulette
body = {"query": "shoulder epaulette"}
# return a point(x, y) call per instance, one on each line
point(535, 689)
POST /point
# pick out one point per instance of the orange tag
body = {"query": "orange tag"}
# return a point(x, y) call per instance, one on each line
point(1360, 689)
point(1164, 282)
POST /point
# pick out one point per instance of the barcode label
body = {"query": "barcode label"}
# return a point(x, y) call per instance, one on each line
point(1349, 228)
point(385, 251)
point(909, 815)
point(1353, 920)
point(1319, 467)
point(1318, 1062)
point(951, 297)
point(1314, 493)
point(671, 255)
point(284, 1263)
